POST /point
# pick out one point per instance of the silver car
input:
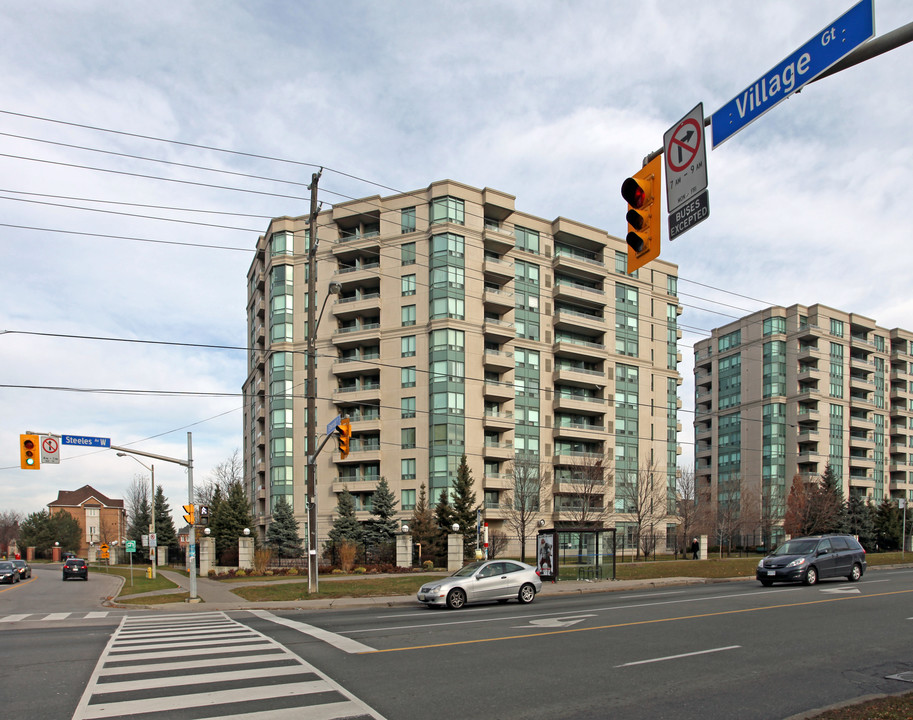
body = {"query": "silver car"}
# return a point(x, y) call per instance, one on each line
point(500, 580)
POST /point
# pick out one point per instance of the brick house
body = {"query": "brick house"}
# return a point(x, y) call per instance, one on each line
point(102, 519)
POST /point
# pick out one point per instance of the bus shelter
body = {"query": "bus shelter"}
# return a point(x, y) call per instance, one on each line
point(576, 554)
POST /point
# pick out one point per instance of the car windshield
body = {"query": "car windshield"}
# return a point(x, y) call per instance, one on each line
point(6, 566)
point(467, 570)
point(797, 547)
point(19, 563)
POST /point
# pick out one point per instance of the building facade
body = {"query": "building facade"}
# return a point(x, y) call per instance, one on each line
point(103, 520)
point(459, 325)
point(786, 391)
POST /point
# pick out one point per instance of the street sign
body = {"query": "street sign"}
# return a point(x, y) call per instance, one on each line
point(689, 215)
point(50, 450)
point(828, 46)
point(104, 552)
point(131, 546)
point(334, 423)
point(85, 441)
point(153, 541)
point(686, 159)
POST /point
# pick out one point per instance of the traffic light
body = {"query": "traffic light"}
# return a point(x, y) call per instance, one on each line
point(204, 514)
point(29, 455)
point(189, 516)
point(345, 436)
point(642, 192)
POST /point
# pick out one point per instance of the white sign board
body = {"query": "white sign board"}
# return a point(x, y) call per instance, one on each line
point(50, 450)
point(685, 152)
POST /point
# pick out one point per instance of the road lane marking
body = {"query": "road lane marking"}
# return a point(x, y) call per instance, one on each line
point(566, 631)
point(679, 657)
point(337, 641)
point(557, 621)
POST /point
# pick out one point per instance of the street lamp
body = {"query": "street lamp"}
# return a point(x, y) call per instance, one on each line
point(154, 548)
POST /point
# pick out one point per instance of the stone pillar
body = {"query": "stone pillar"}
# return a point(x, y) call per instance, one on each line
point(207, 555)
point(454, 551)
point(30, 553)
point(245, 553)
point(703, 553)
point(404, 550)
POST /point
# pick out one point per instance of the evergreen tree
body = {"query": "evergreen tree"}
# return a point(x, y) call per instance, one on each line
point(423, 527)
point(381, 531)
point(831, 506)
point(345, 525)
point(860, 521)
point(464, 507)
point(282, 534)
point(139, 521)
point(228, 521)
point(888, 525)
point(165, 534)
point(444, 519)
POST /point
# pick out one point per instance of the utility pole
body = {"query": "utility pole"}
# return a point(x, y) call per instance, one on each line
point(313, 582)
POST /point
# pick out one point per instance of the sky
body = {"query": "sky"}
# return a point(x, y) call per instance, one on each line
point(144, 147)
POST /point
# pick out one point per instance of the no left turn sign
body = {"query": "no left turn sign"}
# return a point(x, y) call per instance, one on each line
point(686, 159)
point(50, 450)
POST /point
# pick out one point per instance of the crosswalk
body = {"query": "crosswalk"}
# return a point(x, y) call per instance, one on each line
point(51, 617)
point(206, 665)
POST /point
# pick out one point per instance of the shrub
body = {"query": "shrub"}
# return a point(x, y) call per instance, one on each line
point(212, 572)
point(337, 571)
point(240, 573)
point(347, 555)
point(428, 565)
point(359, 571)
point(292, 571)
point(269, 573)
point(262, 558)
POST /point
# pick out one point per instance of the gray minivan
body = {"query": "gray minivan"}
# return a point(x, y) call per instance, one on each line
point(809, 559)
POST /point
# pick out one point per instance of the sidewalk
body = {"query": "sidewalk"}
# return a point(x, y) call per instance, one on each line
point(216, 595)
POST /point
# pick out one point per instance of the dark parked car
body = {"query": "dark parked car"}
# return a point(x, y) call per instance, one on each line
point(76, 567)
point(23, 568)
point(810, 559)
point(8, 573)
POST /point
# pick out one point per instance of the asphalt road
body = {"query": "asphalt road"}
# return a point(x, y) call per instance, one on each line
point(703, 651)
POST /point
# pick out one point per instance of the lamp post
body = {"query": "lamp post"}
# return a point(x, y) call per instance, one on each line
point(154, 547)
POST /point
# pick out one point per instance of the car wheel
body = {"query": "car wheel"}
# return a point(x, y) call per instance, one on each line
point(456, 598)
point(527, 594)
point(767, 583)
point(855, 573)
point(811, 576)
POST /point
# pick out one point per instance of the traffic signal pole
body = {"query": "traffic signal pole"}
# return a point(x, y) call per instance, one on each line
point(191, 540)
point(312, 390)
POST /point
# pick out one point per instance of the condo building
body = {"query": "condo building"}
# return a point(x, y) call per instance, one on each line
point(451, 324)
point(786, 391)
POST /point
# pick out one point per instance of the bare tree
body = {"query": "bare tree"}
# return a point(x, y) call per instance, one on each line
point(227, 473)
point(582, 492)
point(692, 512)
point(137, 504)
point(729, 511)
point(521, 504)
point(644, 498)
point(9, 527)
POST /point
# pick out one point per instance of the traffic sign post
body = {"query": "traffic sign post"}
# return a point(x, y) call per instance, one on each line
point(827, 47)
point(85, 441)
point(687, 216)
point(50, 450)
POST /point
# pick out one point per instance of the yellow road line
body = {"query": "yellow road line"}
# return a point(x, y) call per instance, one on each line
point(637, 622)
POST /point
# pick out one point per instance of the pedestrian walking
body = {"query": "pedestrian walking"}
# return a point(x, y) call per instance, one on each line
point(695, 549)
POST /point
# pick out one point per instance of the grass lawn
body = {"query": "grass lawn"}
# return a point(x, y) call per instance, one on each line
point(365, 586)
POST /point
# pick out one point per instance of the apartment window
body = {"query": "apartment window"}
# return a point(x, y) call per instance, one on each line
point(447, 209)
point(407, 407)
point(281, 243)
point(407, 346)
point(448, 244)
point(408, 315)
point(407, 376)
point(449, 276)
point(407, 253)
point(774, 325)
point(836, 327)
point(407, 438)
point(407, 469)
point(731, 340)
point(407, 499)
point(408, 284)
point(446, 339)
point(671, 284)
point(526, 239)
point(447, 307)
point(407, 221)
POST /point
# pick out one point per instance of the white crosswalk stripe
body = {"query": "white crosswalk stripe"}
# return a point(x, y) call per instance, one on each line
point(205, 665)
point(51, 617)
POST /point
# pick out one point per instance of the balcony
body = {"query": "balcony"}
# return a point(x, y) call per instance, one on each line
point(502, 481)
point(502, 300)
point(347, 367)
point(498, 269)
point(498, 359)
point(501, 329)
point(357, 394)
point(349, 307)
point(582, 431)
point(498, 450)
point(498, 391)
point(576, 291)
point(578, 348)
point(568, 319)
point(580, 376)
point(588, 265)
point(356, 335)
point(498, 420)
point(500, 239)
point(579, 404)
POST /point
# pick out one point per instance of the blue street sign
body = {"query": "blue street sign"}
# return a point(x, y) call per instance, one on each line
point(828, 46)
point(334, 423)
point(85, 441)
